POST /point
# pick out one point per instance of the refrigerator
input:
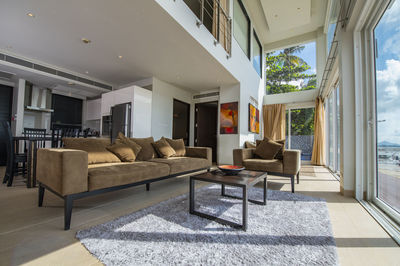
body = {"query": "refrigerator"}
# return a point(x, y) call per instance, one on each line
point(120, 120)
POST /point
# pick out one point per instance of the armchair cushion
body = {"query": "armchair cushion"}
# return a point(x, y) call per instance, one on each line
point(267, 149)
point(279, 155)
point(273, 165)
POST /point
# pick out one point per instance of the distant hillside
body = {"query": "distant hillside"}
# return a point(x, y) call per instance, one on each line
point(388, 144)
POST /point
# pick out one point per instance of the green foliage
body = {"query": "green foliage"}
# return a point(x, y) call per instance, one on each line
point(302, 122)
point(286, 67)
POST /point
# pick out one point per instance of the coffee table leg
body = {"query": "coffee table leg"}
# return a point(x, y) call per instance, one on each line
point(245, 203)
point(265, 191)
point(191, 196)
point(223, 190)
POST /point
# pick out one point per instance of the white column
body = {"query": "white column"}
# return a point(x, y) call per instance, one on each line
point(17, 122)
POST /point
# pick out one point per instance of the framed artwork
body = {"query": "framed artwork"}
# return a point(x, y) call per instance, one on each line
point(254, 119)
point(229, 118)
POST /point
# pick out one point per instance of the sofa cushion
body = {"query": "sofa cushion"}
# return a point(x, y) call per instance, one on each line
point(279, 155)
point(267, 149)
point(133, 145)
point(147, 152)
point(273, 165)
point(122, 151)
point(183, 164)
point(95, 147)
point(178, 145)
point(249, 144)
point(115, 174)
point(163, 149)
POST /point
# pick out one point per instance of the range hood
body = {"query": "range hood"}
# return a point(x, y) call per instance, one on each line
point(38, 99)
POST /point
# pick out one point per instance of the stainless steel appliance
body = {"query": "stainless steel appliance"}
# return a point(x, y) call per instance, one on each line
point(120, 120)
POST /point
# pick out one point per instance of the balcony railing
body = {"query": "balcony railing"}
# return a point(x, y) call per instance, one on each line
point(213, 14)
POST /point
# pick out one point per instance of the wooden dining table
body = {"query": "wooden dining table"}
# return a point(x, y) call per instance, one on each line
point(32, 147)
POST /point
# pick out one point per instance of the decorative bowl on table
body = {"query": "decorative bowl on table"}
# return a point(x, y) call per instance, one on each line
point(230, 169)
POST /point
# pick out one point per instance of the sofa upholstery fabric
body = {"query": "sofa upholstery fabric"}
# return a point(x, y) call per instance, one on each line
point(110, 175)
point(95, 147)
point(147, 152)
point(273, 165)
point(178, 145)
point(65, 171)
point(291, 161)
point(163, 149)
point(182, 164)
point(200, 152)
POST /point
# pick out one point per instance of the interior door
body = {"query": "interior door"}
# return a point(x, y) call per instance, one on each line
point(6, 93)
point(181, 121)
point(206, 125)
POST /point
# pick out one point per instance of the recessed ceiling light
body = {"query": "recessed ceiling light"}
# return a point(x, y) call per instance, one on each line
point(298, 8)
point(71, 83)
point(86, 41)
point(30, 15)
point(120, 56)
point(87, 72)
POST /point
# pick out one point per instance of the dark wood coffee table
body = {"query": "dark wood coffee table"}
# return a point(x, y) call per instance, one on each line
point(245, 180)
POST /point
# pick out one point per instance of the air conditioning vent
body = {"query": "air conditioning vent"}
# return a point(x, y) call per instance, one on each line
point(22, 62)
point(206, 95)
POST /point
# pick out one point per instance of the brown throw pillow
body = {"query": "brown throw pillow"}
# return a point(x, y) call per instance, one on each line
point(122, 151)
point(267, 149)
point(163, 149)
point(95, 147)
point(121, 139)
point(178, 145)
point(279, 155)
point(249, 144)
point(147, 152)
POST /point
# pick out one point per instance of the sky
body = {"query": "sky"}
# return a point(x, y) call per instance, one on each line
point(387, 34)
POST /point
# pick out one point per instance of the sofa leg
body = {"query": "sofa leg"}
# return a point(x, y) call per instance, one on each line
point(147, 186)
point(292, 182)
point(67, 212)
point(41, 195)
point(298, 177)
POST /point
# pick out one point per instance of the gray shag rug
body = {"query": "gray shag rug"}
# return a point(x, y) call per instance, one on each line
point(292, 229)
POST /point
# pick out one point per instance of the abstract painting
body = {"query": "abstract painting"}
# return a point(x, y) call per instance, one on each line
point(254, 119)
point(229, 118)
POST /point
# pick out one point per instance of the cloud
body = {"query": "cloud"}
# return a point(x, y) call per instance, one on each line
point(392, 44)
point(388, 101)
point(392, 15)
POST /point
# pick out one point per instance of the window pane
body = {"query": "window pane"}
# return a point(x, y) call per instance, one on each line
point(331, 131)
point(333, 16)
point(387, 65)
point(302, 131)
point(257, 50)
point(291, 69)
point(337, 131)
point(241, 27)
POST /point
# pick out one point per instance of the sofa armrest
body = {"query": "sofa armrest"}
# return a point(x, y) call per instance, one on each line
point(291, 162)
point(200, 152)
point(64, 171)
point(239, 155)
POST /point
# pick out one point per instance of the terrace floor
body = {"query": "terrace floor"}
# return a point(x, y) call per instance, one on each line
point(35, 236)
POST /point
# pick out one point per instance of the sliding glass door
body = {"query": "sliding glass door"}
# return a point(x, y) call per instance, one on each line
point(332, 118)
point(387, 100)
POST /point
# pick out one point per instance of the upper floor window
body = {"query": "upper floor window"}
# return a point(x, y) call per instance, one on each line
point(257, 51)
point(291, 69)
point(241, 26)
point(333, 17)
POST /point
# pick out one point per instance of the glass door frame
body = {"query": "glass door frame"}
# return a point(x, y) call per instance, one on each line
point(369, 182)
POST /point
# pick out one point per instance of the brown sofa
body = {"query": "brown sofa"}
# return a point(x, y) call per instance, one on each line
point(71, 173)
point(289, 166)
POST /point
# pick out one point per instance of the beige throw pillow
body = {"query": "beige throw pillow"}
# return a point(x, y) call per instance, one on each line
point(121, 139)
point(163, 149)
point(267, 149)
point(122, 151)
point(279, 155)
point(178, 145)
point(147, 152)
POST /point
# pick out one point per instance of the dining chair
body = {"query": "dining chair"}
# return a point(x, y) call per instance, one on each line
point(14, 159)
point(60, 131)
point(37, 133)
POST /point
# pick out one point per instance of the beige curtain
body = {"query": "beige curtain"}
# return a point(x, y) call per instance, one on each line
point(318, 153)
point(274, 119)
point(223, 22)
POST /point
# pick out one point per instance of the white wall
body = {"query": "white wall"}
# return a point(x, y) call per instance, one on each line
point(162, 108)
point(17, 121)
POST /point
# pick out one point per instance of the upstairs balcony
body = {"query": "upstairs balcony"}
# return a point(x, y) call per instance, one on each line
point(213, 14)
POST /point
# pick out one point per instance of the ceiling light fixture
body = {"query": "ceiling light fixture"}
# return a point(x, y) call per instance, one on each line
point(30, 15)
point(71, 83)
point(87, 72)
point(298, 8)
point(86, 41)
point(120, 56)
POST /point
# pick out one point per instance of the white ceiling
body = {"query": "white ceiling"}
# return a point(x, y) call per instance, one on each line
point(277, 20)
point(150, 41)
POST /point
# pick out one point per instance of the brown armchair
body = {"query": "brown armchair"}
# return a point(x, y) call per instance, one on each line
point(289, 166)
